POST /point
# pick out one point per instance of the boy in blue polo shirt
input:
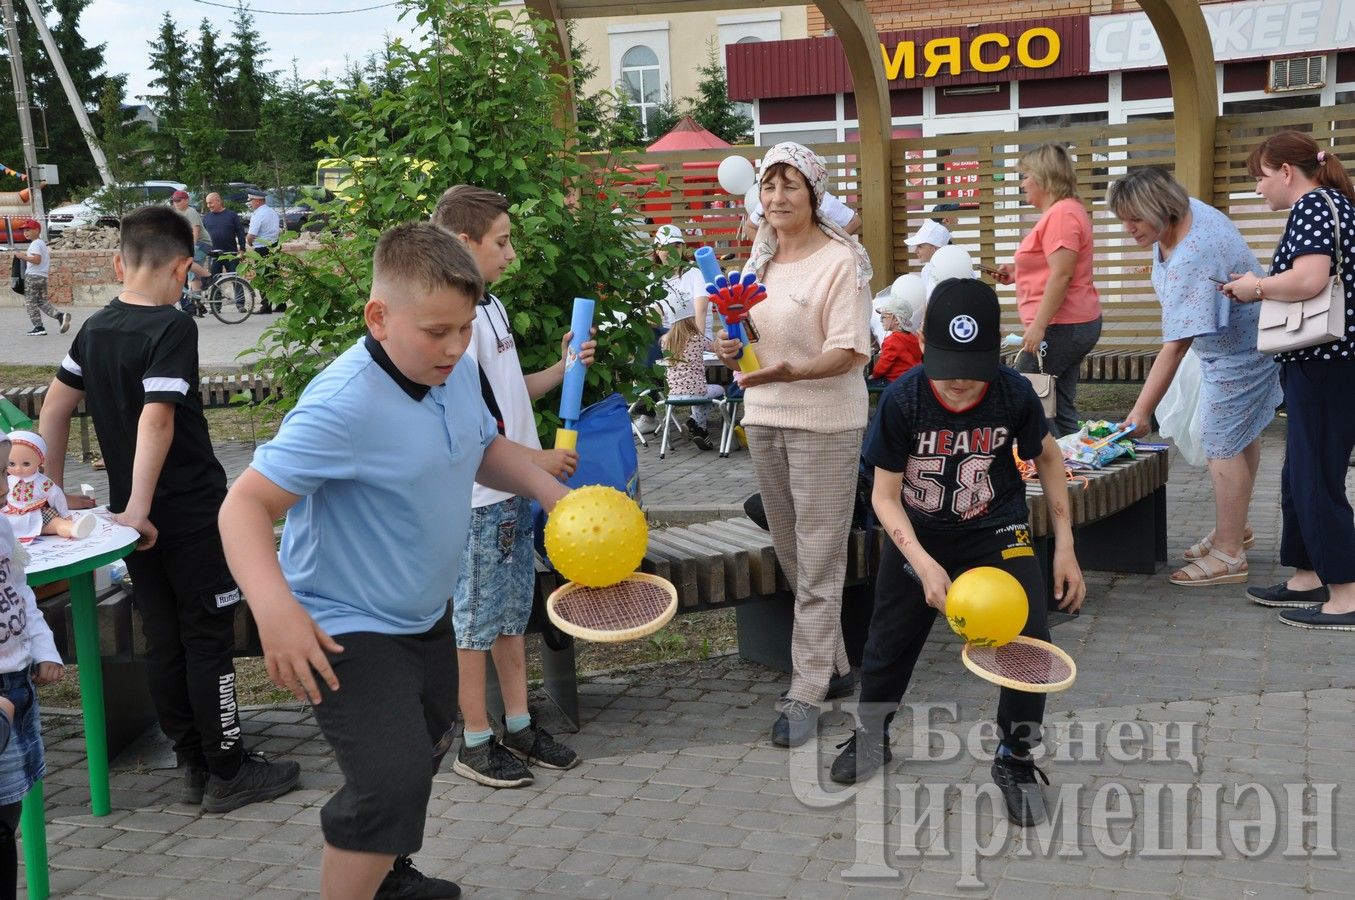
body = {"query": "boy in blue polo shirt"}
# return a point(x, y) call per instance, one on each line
point(376, 464)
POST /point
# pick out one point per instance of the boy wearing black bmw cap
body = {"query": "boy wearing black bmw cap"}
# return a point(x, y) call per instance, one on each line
point(949, 495)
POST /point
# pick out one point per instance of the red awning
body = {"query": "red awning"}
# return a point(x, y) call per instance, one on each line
point(687, 134)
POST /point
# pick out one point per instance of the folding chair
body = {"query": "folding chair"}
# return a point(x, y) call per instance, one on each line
point(670, 420)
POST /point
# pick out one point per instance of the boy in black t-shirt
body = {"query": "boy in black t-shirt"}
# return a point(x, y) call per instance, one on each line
point(135, 364)
point(949, 495)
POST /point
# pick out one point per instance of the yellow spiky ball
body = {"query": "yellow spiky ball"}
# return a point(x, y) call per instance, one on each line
point(596, 535)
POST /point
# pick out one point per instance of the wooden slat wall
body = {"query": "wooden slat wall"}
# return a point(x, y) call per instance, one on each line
point(996, 217)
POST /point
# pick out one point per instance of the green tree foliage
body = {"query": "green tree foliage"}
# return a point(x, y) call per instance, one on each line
point(59, 136)
point(214, 67)
point(712, 106)
point(296, 117)
point(201, 139)
point(245, 88)
point(172, 62)
point(476, 107)
point(662, 118)
point(126, 144)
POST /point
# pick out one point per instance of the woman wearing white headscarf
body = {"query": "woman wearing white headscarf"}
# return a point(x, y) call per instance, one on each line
point(805, 414)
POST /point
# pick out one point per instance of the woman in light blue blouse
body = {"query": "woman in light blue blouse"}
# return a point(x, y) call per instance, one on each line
point(1196, 248)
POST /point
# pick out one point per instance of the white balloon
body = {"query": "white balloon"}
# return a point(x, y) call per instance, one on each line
point(735, 175)
point(751, 199)
point(910, 289)
point(952, 262)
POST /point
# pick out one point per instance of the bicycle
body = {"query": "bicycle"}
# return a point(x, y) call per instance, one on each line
point(229, 297)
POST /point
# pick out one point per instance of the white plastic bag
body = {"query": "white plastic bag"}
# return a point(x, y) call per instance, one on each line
point(1178, 415)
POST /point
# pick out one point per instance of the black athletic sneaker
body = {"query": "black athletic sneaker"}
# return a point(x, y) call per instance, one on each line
point(491, 765)
point(1016, 779)
point(404, 882)
point(36, 332)
point(259, 779)
point(194, 785)
point(861, 755)
point(535, 745)
point(699, 436)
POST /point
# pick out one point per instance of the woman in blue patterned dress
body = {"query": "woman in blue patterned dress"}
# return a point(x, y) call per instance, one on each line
point(1195, 248)
point(1318, 538)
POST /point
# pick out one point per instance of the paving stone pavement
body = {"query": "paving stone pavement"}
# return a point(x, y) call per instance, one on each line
point(1199, 734)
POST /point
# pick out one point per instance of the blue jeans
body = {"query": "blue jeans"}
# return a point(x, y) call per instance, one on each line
point(494, 591)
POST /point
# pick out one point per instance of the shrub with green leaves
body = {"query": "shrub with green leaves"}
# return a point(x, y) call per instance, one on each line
point(477, 105)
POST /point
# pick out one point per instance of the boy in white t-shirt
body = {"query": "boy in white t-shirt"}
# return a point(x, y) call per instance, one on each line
point(39, 260)
point(493, 596)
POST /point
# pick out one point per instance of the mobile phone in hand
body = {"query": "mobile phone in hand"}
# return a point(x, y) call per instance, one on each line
point(990, 270)
point(1217, 280)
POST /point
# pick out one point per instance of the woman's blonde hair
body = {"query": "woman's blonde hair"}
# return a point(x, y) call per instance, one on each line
point(1151, 196)
point(1052, 167)
point(682, 331)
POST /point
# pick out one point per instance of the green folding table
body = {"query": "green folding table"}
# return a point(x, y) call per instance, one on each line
point(75, 561)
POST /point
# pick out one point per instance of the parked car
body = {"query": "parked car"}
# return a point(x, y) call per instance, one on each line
point(85, 213)
point(302, 206)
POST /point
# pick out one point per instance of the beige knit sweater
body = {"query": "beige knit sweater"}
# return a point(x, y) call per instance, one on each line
point(812, 305)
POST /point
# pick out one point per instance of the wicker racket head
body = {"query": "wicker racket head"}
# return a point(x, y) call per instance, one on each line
point(1025, 664)
point(634, 607)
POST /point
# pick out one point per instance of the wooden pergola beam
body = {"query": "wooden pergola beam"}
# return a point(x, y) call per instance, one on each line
point(1181, 28)
point(596, 9)
point(851, 20)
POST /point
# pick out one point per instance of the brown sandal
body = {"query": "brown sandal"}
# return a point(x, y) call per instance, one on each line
point(1196, 551)
point(1206, 571)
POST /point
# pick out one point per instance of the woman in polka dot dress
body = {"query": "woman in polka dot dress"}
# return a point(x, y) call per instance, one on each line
point(1318, 537)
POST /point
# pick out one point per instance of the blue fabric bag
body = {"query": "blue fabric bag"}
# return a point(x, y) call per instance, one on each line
point(606, 456)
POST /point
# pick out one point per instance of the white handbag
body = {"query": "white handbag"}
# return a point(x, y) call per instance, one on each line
point(1306, 323)
point(1044, 387)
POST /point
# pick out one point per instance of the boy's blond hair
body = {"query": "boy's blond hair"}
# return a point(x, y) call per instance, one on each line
point(424, 257)
point(469, 210)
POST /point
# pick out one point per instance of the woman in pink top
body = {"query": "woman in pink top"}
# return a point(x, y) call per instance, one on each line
point(805, 415)
point(1052, 270)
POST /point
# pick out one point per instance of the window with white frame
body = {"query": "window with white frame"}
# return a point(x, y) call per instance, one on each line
point(643, 81)
point(747, 28)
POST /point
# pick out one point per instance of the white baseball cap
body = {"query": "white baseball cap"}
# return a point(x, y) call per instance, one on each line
point(930, 232)
point(668, 234)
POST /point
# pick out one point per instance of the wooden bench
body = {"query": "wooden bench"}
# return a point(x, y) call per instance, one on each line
point(216, 392)
point(1110, 365)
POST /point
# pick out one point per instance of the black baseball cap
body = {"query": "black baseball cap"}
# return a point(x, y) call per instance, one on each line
point(962, 331)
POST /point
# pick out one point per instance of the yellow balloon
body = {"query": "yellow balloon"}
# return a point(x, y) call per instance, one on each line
point(596, 535)
point(986, 606)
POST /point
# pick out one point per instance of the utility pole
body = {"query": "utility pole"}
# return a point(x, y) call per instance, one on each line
point(72, 97)
point(16, 67)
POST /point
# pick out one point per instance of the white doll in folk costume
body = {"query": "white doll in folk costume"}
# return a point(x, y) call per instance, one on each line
point(36, 504)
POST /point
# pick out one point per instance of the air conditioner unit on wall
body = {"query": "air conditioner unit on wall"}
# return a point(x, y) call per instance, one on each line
point(1300, 73)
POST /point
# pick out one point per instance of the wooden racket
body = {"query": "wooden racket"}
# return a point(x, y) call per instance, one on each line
point(635, 607)
point(1023, 664)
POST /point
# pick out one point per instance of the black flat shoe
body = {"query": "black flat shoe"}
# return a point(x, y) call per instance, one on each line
point(1278, 596)
point(1315, 619)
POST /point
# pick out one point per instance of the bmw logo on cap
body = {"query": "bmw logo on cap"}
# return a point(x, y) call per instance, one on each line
point(964, 329)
